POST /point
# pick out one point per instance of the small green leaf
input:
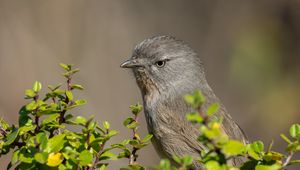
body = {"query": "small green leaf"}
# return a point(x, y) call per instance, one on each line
point(212, 165)
point(4, 124)
point(77, 86)
point(258, 146)
point(66, 67)
point(165, 164)
point(30, 93)
point(102, 167)
point(295, 131)
point(212, 109)
point(271, 156)
point(11, 137)
point(196, 99)
point(134, 142)
point(85, 158)
point(51, 119)
point(32, 106)
point(294, 162)
point(53, 88)
point(108, 156)
point(69, 94)
point(15, 157)
point(106, 125)
point(136, 109)
point(285, 138)
point(41, 157)
point(80, 102)
point(187, 160)
point(37, 86)
point(42, 139)
point(147, 138)
point(233, 148)
point(112, 133)
point(267, 167)
point(194, 117)
point(133, 125)
point(55, 143)
point(128, 121)
point(80, 120)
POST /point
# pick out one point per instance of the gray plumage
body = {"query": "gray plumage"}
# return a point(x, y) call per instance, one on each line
point(166, 69)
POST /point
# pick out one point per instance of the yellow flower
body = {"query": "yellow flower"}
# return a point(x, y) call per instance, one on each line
point(216, 125)
point(54, 159)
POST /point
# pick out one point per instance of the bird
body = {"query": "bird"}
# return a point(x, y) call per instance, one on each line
point(166, 69)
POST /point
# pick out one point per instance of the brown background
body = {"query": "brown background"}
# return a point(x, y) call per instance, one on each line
point(250, 50)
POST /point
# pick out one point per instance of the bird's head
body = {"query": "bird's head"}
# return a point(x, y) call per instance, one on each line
point(163, 63)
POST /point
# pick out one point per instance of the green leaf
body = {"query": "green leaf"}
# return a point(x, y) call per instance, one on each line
point(128, 121)
point(11, 137)
point(233, 148)
point(147, 138)
point(51, 119)
point(69, 94)
point(285, 138)
point(42, 139)
point(133, 125)
point(66, 67)
point(80, 120)
point(112, 133)
point(194, 117)
point(27, 155)
point(267, 167)
point(53, 88)
point(258, 146)
point(80, 102)
point(196, 99)
point(125, 154)
point(106, 125)
point(165, 164)
point(108, 156)
point(4, 124)
point(77, 86)
point(212, 109)
point(15, 157)
point(102, 167)
point(41, 157)
point(136, 109)
point(294, 162)
point(252, 153)
point(212, 165)
point(134, 143)
point(85, 158)
point(30, 93)
point(271, 156)
point(187, 160)
point(55, 143)
point(295, 131)
point(32, 106)
point(37, 86)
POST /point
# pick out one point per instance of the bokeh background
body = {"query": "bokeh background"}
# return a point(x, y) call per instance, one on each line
point(251, 51)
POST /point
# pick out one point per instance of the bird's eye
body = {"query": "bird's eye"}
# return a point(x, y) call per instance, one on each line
point(160, 63)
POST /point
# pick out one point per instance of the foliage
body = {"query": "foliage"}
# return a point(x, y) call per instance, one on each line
point(45, 137)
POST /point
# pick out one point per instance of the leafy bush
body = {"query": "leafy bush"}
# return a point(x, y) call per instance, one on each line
point(45, 137)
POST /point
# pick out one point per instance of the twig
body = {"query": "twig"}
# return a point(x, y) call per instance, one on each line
point(99, 153)
point(288, 159)
point(133, 155)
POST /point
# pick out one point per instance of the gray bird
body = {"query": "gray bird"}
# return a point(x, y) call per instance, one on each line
point(166, 69)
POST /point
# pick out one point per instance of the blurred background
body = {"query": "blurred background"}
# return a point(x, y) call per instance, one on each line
point(251, 51)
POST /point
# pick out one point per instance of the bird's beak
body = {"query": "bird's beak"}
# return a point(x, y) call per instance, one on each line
point(131, 63)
